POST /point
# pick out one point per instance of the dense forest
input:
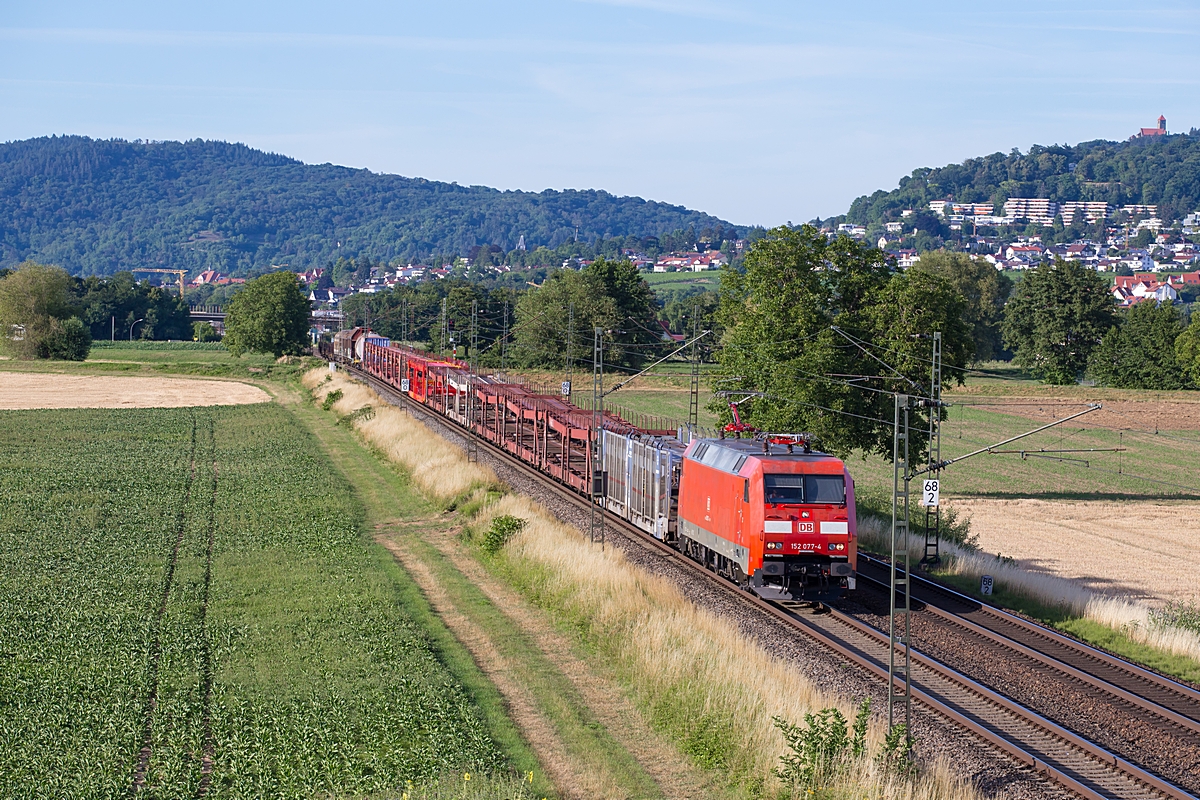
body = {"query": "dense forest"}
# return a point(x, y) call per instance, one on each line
point(1157, 170)
point(96, 207)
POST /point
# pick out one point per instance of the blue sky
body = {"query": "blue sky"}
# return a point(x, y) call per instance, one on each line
point(759, 112)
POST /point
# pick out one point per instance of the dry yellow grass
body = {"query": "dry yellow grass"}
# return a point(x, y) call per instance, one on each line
point(439, 469)
point(1130, 616)
point(663, 646)
point(669, 649)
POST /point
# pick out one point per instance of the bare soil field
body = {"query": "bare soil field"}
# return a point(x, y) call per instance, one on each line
point(1143, 550)
point(21, 390)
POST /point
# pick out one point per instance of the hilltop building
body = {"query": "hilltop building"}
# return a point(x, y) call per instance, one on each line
point(1161, 130)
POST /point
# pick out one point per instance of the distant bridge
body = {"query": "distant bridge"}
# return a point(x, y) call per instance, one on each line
point(207, 313)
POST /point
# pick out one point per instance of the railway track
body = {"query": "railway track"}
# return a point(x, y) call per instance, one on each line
point(1166, 699)
point(1073, 762)
point(1156, 709)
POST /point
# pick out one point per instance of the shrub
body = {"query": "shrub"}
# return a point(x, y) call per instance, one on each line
point(897, 753)
point(68, 340)
point(502, 529)
point(330, 399)
point(823, 747)
point(365, 413)
point(1178, 615)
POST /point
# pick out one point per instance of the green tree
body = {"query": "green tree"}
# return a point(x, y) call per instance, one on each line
point(110, 305)
point(205, 332)
point(1140, 352)
point(1057, 316)
point(270, 315)
point(678, 313)
point(35, 300)
point(984, 289)
point(540, 332)
point(637, 334)
point(1187, 350)
point(780, 338)
point(610, 295)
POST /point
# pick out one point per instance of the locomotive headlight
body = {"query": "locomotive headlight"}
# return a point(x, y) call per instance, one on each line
point(774, 545)
point(836, 546)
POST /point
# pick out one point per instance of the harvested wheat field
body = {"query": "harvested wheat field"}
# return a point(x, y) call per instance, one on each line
point(19, 390)
point(1142, 550)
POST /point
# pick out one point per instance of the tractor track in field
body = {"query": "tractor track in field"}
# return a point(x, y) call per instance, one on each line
point(1061, 759)
point(155, 653)
point(206, 673)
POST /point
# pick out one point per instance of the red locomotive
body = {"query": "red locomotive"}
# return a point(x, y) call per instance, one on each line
point(763, 510)
point(770, 514)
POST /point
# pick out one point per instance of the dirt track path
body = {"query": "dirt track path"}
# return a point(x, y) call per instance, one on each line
point(580, 778)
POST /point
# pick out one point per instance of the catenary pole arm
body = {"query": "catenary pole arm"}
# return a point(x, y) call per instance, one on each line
point(683, 347)
point(991, 447)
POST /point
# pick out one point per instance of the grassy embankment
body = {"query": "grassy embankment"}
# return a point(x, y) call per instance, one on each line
point(693, 677)
point(291, 651)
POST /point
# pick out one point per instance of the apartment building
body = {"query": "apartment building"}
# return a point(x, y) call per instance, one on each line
point(1034, 209)
point(1090, 212)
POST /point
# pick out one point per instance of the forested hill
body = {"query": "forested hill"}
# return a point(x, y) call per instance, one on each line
point(1161, 170)
point(95, 207)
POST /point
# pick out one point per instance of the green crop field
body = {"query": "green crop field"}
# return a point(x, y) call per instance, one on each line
point(190, 602)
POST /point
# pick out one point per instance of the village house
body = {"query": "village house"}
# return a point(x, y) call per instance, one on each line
point(1129, 290)
point(328, 297)
point(207, 277)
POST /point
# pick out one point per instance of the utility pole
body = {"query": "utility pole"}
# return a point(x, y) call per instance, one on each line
point(472, 441)
point(694, 398)
point(933, 514)
point(570, 358)
point(442, 334)
point(504, 345)
point(597, 466)
point(898, 614)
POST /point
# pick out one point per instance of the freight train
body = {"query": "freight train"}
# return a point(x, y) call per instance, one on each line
point(766, 511)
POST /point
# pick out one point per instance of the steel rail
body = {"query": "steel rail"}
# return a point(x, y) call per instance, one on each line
point(1093, 770)
point(1049, 662)
point(1169, 698)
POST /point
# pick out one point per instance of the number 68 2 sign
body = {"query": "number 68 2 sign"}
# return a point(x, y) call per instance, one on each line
point(929, 493)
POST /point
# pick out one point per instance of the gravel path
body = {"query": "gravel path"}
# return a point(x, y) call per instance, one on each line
point(991, 771)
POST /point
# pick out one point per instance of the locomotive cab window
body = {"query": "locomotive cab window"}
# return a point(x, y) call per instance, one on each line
point(783, 489)
point(825, 489)
point(803, 489)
